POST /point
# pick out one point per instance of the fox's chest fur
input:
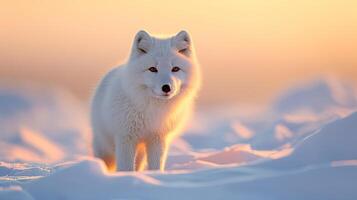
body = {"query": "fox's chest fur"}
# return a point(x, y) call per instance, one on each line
point(141, 121)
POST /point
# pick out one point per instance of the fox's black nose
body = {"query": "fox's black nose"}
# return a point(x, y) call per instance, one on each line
point(166, 88)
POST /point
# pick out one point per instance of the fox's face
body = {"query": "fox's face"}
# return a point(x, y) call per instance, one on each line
point(162, 68)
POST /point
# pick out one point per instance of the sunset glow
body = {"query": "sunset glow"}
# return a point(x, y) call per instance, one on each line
point(250, 48)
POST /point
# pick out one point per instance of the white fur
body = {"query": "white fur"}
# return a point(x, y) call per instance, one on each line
point(129, 107)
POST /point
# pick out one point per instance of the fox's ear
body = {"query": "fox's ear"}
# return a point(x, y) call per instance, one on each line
point(142, 43)
point(182, 43)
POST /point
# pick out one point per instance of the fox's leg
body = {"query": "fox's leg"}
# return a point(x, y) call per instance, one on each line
point(140, 158)
point(109, 161)
point(125, 154)
point(104, 150)
point(156, 148)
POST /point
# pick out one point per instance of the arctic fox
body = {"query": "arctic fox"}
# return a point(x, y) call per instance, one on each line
point(140, 106)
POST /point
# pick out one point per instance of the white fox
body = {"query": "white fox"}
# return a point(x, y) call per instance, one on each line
point(140, 106)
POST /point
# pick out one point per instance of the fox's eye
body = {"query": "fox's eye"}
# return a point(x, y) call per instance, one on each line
point(153, 69)
point(175, 69)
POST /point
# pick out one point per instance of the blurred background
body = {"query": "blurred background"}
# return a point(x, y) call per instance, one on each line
point(248, 50)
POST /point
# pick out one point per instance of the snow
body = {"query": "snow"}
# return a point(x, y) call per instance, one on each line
point(302, 146)
point(334, 142)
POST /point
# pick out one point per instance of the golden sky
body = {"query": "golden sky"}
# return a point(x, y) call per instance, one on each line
point(249, 50)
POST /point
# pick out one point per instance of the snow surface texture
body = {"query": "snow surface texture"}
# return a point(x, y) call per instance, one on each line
point(303, 146)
